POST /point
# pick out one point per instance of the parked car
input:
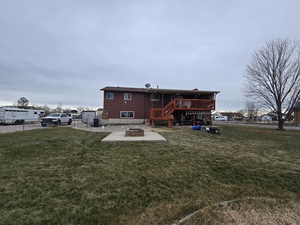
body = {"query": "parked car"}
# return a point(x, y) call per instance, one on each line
point(57, 119)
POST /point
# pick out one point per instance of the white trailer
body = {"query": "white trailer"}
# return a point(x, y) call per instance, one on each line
point(9, 115)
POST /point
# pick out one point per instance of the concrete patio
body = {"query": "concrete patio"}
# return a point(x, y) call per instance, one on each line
point(120, 136)
point(117, 132)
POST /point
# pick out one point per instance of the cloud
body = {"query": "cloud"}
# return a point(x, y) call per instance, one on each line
point(65, 51)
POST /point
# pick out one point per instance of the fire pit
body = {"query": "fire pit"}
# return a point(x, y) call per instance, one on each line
point(134, 132)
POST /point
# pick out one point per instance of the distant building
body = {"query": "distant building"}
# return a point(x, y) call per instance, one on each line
point(275, 116)
point(232, 115)
point(218, 117)
point(266, 117)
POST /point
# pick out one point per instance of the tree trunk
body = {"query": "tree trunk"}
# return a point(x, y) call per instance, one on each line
point(280, 121)
point(280, 124)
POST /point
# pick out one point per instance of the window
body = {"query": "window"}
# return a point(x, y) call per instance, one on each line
point(155, 97)
point(124, 114)
point(127, 96)
point(54, 115)
point(109, 95)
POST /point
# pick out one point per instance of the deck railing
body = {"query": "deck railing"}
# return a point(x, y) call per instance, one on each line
point(194, 104)
point(181, 105)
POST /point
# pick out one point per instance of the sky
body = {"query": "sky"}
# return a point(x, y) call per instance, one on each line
point(64, 51)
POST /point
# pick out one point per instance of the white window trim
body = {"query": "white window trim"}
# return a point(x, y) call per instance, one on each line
point(128, 95)
point(127, 117)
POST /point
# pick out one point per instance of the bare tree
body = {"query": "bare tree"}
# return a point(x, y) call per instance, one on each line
point(58, 108)
point(23, 102)
point(80, 109)
point(46, 109)
point(274, 78)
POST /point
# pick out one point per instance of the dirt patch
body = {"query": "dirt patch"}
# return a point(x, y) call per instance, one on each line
point(249, 212)
point(163, 130)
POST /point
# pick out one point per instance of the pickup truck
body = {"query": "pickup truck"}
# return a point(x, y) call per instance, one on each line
point(57, 119)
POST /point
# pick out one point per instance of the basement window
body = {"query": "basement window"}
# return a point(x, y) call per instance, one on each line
point(127, 114)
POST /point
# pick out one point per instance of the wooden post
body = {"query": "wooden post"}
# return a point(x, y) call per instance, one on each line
point(170, 121)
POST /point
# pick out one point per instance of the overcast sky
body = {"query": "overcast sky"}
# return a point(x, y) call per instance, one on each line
point(64, 51)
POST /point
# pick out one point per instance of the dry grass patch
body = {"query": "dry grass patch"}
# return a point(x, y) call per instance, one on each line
point(250, 212)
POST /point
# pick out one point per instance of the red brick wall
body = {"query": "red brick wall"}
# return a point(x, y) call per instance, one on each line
point(140, 104)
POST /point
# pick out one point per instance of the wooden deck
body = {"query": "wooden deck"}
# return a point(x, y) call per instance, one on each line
point(166, 112)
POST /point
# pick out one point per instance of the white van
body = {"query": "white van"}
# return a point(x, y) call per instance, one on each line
point(9, 115)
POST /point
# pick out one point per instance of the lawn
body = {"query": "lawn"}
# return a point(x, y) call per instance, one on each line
point(67, 176)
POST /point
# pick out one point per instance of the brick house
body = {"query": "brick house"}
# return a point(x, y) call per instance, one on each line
point(124, 105)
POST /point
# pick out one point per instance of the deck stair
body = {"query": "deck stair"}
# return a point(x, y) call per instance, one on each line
point(166, 113)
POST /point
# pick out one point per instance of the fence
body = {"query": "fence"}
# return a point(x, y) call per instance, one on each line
point(23, 127)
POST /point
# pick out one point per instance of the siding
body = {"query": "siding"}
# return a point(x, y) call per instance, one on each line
point(140, 104)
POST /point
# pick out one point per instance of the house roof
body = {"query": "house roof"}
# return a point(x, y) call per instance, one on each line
point(157, 90)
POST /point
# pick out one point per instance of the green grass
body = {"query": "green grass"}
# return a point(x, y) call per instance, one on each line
point(67, 176)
